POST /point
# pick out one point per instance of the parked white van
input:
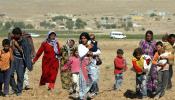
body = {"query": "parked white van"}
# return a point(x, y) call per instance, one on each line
point(117, 35)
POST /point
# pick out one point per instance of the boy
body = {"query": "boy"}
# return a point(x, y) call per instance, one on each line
point(163, 71)
point(120, 67)
point(5, 58)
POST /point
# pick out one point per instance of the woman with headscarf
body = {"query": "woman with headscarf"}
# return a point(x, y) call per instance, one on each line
point(148, 46)
point(66, 76)
point(50, 60)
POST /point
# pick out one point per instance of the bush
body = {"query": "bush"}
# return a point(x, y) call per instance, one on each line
point(153, 15)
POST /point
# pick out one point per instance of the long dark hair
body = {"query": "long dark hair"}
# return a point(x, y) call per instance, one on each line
point(86, 35)
point(149, 32)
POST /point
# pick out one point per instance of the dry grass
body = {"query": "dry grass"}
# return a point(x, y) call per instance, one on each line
point(108, 48)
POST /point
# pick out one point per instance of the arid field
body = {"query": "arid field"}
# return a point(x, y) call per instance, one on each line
point(108, 48)
point(90, 9)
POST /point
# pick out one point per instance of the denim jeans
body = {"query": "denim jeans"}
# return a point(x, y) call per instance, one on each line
point(118, 80)
point(163, 77)
point(170, 77)
point(141, 84)
point(5, 77)
point(19, 68)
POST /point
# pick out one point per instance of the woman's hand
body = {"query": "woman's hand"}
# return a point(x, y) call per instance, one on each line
point(33, 62)
point(90, 53)
point(89, 46)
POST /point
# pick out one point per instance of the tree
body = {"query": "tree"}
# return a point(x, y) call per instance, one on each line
point(29, 26)
point(1, 25)
point(59, 18)
point(19, 24)
point(80, 24)
point(69, 24)
point(7, 25)
point(47, 25)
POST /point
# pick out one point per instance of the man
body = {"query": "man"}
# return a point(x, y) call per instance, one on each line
point(170, 48)
point(22, 58)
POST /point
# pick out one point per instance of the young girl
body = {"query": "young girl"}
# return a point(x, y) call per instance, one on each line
point(5, 58)
point(74, 64)
point(141, 70)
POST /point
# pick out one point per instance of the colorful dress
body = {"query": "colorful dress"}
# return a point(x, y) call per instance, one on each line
point(50, 63)
point(66, 76)
point(149, 48)
point(85, 85)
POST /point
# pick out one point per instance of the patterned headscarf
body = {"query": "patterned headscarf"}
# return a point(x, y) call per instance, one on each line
point(54, 42)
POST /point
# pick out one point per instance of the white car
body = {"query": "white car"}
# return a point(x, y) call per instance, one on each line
point(34, 34)
point(117, 35)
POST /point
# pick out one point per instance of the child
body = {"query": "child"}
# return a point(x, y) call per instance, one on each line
point(163, 69)
point(120, 67)
point(141, 71)
point(74, 64)
point(5, 59)
point(93, 67)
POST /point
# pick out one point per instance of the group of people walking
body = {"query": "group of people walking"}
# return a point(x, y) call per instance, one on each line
point(79, 64)
point(152, 62)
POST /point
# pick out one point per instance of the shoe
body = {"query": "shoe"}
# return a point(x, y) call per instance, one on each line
point(156, 98)
point(27, 88)
point(92, 95)
point(5, 95)
point(1, 93)
point(75, 95)
point(18, 94)
point(50, 89)
point(12, 92)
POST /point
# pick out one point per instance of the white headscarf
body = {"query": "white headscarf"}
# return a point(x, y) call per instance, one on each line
point(54, 42)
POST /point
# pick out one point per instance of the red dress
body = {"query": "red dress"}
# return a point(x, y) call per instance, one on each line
point(50, 63)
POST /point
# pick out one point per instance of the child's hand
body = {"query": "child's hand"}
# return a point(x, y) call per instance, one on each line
point(161, 65)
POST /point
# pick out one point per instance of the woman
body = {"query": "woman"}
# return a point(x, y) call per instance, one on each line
point(66, 77)
point(83, 51)
point(50, 60)
point(148, 47)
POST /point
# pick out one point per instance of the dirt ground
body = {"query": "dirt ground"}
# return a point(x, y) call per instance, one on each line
point(108, 48)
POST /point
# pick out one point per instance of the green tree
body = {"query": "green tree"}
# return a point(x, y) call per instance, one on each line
point(1, 25)
point(29, 26)
point(19, 24)
point(80, 24)
point(59, 18)
point(7, 25)
point(69, 24)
